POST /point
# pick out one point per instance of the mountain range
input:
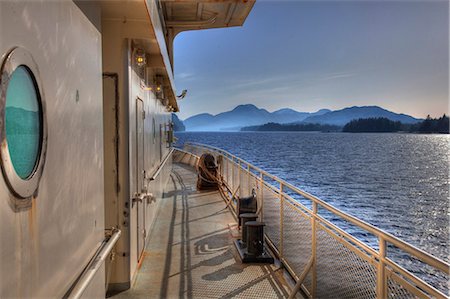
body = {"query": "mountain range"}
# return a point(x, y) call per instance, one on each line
point(250, 115)
point(343, 116)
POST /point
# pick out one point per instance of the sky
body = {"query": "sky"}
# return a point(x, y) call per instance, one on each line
point(309, 55)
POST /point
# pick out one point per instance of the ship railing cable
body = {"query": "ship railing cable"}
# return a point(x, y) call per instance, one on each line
point(325, 259)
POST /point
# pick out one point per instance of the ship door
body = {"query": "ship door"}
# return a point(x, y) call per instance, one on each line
point(140, 176)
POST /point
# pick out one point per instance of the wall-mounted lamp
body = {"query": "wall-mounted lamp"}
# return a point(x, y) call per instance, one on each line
point(153, 88)
point(158, 85)
point(139, 57)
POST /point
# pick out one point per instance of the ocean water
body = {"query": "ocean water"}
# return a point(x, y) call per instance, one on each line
point(397, 182)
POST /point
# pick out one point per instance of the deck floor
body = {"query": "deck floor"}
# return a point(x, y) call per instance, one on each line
point(191, 254)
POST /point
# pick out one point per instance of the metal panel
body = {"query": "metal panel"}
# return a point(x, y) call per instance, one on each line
point(134, 220)
point(271, 210)
point(297, 237)
point(140, 175)
point(46, 244)
point(341, 272)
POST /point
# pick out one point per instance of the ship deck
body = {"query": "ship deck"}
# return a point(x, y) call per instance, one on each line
point(190, 253)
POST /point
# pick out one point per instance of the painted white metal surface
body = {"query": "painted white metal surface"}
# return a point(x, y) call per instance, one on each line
point(91, 172)
point(123, 171)
point(46, 242)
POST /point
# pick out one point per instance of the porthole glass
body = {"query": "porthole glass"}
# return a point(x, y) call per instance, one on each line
point(23, 122)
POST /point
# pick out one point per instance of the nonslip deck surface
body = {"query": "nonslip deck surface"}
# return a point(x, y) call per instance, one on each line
point(190, 253)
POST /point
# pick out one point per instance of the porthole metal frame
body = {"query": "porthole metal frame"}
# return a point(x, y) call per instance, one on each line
point(21, 188)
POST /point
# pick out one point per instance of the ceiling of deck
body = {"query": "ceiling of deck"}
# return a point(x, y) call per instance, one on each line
point(192, 15)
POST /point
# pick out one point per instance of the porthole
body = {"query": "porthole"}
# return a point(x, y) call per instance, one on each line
point(23, 126)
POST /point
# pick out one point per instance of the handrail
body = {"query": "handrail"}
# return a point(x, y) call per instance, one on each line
point(161, 166)
point(94, 265)
point(185, 152)
point(383, 237)
point(419, 253)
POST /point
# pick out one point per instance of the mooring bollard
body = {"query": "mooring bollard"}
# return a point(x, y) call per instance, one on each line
point(255, 238)
point(246, 217)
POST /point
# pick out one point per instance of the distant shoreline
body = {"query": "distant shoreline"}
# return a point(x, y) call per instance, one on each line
point(361, 125)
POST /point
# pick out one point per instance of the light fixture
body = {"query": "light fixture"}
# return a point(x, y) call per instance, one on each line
point(158, 87)
point(139, 57)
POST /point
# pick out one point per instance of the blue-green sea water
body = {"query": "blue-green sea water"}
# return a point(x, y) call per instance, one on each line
point(397, 182)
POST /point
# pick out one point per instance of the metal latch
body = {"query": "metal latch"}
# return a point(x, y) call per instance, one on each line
point(150, 198)
point(138, 197)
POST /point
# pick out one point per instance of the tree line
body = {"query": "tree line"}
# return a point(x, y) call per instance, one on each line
point(368, 125)
point(382, 124)
point(432, 125)
point(293, 127)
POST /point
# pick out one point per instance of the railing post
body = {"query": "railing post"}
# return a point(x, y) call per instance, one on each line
point(261, 194)
point(232, 175)
point(248, 179)
point(228, 171)
point(239, 178)
point(281, 220)
point(381, 271)
point(314, 250)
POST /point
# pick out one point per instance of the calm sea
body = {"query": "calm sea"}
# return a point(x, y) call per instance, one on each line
point(397, 182)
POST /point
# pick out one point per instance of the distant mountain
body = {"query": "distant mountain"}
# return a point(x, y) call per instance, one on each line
point(244, 115)
point(178, 125)
point(342, 117)
point(197, 122)
point(287, 115)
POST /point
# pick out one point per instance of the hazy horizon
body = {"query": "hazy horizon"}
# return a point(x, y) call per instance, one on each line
point(309, 56)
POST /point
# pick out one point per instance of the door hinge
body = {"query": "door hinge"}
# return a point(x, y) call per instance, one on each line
point(143, 114)
point(144, 232)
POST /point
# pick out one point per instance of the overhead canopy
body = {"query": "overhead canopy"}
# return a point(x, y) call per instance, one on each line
point(164, 19)
point(183, 15)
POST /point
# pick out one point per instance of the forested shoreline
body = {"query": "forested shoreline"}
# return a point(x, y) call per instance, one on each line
point(362, 125)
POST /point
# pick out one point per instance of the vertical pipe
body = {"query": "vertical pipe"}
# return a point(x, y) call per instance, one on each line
point(381, 273)
point(281, 220)
point(314, 250)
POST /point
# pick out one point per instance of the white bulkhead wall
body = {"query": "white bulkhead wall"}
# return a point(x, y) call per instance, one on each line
point(155, 149)
point(117, 37)
point(46, 243)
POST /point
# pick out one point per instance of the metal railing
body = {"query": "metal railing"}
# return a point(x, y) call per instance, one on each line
point(325, 260)
point(94, 265)
point(181, 156)
point(161, 166)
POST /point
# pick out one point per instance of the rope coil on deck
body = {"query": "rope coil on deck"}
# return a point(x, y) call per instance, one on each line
point(207, 173)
